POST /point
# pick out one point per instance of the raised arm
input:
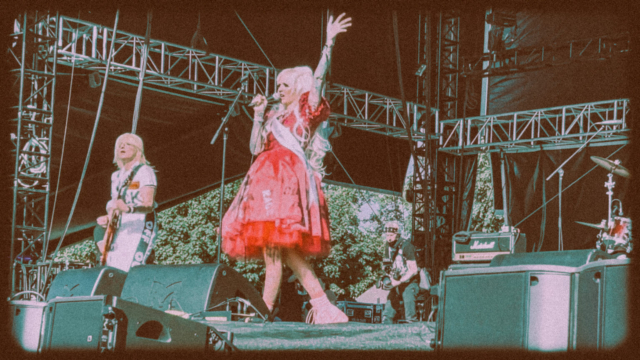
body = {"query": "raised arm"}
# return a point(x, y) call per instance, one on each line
point(334, 27)
point(260, 105)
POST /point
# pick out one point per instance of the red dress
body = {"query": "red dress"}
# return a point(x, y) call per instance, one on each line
point(271, 207)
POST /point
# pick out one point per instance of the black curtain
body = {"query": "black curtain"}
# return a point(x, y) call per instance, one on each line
point(585, 200)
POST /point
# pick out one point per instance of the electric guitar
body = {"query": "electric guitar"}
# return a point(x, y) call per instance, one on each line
point(105, 245)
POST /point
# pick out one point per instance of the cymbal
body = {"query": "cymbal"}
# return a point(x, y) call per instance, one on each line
point(595, 226)
point(611, 166)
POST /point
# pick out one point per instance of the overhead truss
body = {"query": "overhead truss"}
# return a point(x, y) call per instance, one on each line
point(562, 127)
point(203, 76)
point(448, 61)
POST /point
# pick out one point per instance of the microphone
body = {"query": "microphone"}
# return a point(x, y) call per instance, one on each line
point(270, 98)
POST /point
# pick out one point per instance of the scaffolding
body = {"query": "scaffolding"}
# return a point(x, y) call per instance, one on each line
point(563, 127)
point(204, 76)
point(33, 47)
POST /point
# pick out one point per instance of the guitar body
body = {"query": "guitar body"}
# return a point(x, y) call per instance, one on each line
point(105, 244)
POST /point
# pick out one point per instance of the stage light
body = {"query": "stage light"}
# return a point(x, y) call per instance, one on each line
point(94, 79)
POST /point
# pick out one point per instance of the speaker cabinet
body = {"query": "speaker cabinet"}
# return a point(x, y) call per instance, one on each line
point(101, 280)
point(603, 305)
point(189, 288)
point(572, 258)
point(25, 321)
point(525, 307)
point(110, 324)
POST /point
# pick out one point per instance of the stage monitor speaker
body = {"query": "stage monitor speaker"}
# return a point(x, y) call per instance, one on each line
point(603, 305)
point(189, 288)
point(110, 324)
point(101, 280)
point(572, 258)
point(521, 307)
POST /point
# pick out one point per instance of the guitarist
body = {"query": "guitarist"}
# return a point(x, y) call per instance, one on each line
point(132, 207)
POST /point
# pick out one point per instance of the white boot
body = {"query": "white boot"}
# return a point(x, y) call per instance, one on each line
point(324, 312)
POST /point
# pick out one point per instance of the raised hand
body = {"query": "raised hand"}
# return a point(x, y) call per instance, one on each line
point(337, 26)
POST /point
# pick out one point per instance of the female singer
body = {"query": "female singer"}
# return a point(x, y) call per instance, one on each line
point(280, 213)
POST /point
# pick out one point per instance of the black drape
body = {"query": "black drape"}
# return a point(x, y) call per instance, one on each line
point(586, 200)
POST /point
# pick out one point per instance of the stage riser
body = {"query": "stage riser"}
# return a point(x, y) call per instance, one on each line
point(77, 324)
point(534, 307)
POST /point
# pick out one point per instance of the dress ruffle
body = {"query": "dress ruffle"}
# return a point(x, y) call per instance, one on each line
point(271, 207)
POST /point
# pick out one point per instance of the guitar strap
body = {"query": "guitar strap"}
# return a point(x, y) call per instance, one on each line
point(125, 185)
point(144, 243)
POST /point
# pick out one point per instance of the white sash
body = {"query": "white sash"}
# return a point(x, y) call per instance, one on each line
point(286, 139)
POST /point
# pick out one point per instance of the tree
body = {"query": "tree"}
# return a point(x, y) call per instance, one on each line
point(186, 233)
point(483, 216)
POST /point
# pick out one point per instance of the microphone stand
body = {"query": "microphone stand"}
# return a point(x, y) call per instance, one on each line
point(560, 172)
point(224, 156)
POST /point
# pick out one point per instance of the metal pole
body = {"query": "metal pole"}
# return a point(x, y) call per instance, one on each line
point(224, 157)
point(560, 242)
point(45, 239)
point(505, 203)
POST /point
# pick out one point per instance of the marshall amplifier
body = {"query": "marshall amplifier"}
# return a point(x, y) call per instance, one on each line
point(483, 247)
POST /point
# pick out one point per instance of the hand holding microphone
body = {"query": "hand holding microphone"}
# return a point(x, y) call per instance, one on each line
point(259, 105)
point(258, 102)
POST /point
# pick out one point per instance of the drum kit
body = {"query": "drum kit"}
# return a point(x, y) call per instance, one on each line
point(615, 232)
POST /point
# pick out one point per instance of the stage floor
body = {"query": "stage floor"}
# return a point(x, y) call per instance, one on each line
point(350, 336)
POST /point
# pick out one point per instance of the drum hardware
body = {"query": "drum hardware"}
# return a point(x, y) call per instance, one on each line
point(601, 226)
point(602, 125)
point(613, 167)
point(615, 232)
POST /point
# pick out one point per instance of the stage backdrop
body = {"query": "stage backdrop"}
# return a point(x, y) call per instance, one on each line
point(573, 83)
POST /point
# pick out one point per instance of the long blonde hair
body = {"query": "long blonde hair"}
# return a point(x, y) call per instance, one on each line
point(316, 146)
point(133, 140)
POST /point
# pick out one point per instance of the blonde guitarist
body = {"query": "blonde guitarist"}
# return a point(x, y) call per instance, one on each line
point(130, 220)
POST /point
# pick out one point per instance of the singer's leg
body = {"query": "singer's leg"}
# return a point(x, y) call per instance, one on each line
point(273, 262)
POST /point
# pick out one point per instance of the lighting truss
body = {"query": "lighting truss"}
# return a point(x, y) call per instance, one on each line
point(448, 52)
point(530, 58)
point(203, 76)
point(33, 55)
point(563, 127)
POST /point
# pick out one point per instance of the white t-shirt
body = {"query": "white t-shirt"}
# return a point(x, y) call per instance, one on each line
point(144, 177)
point(132, 226)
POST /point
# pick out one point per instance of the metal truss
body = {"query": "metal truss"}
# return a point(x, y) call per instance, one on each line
point(448, 52)
point(195, 74)
point(33, 48)
point(422, 207)
point(536, 57)
point(563, 127)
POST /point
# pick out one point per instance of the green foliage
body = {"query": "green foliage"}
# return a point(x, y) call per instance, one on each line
point(83, 251)
point(186, 233)
point(483, 217)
